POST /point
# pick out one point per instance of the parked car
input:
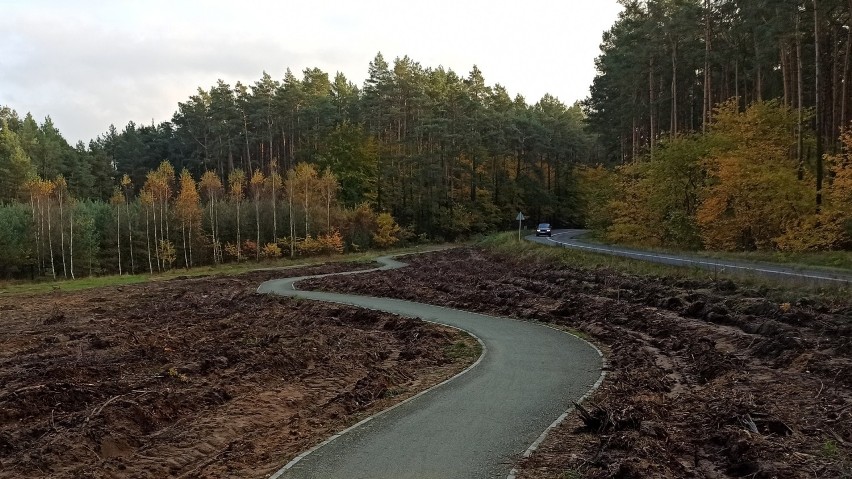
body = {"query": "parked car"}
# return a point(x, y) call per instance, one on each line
point(543, 229)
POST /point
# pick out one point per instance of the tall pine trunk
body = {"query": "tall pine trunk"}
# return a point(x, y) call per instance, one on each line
point(189, 233)
point(275, 208)
point(183, 237)
point(50, 240)
point(818, 108)
point(328, 210)
point(674, 90)
point(239, 246)
point(118, 234)
point(40, 242)
point(165, 219)
point(292, 225)
point(71, 239)
point(219, 238)
point(37, 221)
point(213, 230)
point(306, 208)
point(800, 160)
point(62, 233)
point(707, 103)
point(651, 101)
point(845, 80)
point(257, 221)
point(247, 166)
point(156, 242)
point(148, 242)
point(130, 239)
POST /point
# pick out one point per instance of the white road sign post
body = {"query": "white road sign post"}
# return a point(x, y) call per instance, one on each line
point(520, 219)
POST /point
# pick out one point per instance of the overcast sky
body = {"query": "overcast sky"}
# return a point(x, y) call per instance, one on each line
point(89, 64)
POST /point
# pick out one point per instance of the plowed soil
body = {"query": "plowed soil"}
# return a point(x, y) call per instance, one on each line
point(198, 377)
point(706, 379)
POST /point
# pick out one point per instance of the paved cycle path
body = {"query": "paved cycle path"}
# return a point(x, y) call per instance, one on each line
point(475, 425)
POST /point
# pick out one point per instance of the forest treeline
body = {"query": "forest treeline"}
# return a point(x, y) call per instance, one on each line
point(710, 124)
point(724, 124)
point(443, 156)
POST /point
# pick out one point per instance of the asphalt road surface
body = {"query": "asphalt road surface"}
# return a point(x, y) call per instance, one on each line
point(570, 239)
point(475, 425)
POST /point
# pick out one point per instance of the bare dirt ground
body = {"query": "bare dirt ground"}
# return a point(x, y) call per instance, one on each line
point(706, 379)
point(198, 377)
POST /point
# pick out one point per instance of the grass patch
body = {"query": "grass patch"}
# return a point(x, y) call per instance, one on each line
point(829, 260)
point(830, 450)
point(393, 392)
point(16, 288)
point(12, 288)
point(464, 350)
point(832, 260)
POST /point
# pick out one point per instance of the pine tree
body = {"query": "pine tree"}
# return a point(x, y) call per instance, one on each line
point(15, 166)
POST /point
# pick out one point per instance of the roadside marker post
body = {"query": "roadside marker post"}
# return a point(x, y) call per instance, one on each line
point(520, 219)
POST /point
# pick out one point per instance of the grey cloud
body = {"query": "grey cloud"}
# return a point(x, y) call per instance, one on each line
point(86, 77)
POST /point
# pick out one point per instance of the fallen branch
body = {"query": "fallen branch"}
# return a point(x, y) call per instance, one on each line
point(102, 406)
point(597, 421)
point(749, 423)
point(839, 439)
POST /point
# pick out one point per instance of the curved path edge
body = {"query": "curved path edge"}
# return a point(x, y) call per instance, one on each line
point(287, 287)
point(571, 239)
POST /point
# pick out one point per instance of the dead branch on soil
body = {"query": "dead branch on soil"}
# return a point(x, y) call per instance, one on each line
point(599, 420)
point(102, 406)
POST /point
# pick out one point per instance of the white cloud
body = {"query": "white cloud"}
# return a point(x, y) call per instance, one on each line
point(115, 61)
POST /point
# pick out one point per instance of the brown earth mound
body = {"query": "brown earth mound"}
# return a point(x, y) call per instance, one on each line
point(197, 377)
point(706, 379)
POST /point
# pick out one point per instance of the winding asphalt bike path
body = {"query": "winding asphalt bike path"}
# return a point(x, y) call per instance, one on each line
point(570, 239)
point(475, 425)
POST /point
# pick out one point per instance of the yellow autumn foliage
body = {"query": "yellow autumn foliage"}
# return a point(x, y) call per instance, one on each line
point(387, 231)
point(831, 227)
point(753, 194)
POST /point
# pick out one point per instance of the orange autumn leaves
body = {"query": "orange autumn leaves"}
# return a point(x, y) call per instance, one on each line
point(738, 187)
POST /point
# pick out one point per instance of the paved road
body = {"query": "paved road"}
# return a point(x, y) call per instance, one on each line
point(473, 426)
point(569, 238)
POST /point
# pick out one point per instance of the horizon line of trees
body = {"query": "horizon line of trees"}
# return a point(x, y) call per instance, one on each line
point(446, 155)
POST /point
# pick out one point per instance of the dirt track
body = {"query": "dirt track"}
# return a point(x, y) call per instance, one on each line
point(707, 379)
point(198, 377)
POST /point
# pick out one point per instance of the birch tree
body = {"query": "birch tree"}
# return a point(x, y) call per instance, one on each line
point(328, 186)
point(189, 212)
point(274, 188)
point(117, 200)
point(46, 192)
point(61, 188)
point(257, 182)
point(146, 199)
point(211, 186)
point(127, 188)
point(237, 181)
